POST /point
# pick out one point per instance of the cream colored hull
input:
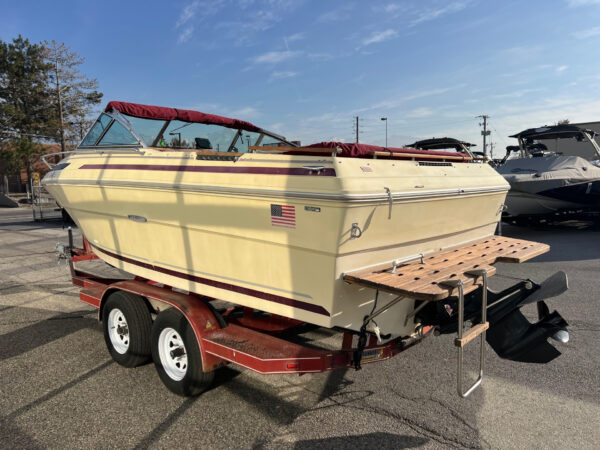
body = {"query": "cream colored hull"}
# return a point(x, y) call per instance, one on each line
point(212, 233)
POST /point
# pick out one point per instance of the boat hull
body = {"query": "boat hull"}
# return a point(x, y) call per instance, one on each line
point(548, 185)
point(217, 233)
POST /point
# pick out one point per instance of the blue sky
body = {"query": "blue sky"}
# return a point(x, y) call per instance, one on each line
point(306, 68)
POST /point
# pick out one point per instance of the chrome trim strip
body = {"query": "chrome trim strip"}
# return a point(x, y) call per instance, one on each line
point(92, 152)
point(376, 196)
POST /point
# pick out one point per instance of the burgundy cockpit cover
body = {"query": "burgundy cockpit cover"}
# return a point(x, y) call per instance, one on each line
point(358, 150)
point(185, 115)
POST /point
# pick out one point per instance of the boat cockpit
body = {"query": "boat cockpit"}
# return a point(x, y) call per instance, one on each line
point(530, 145)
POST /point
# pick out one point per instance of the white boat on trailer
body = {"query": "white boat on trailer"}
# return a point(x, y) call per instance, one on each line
point(383, 244)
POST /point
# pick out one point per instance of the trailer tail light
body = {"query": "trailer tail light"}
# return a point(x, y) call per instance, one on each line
point(292, 365)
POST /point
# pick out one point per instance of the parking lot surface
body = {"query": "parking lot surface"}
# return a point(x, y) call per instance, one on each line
point(59, 387)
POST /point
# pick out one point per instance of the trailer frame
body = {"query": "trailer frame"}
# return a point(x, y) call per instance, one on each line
point(249, 341)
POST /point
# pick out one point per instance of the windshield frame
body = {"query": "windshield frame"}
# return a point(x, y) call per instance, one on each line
point(586, 136)
point(116, 116)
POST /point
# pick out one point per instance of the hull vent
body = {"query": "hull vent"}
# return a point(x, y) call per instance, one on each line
point(434, 163)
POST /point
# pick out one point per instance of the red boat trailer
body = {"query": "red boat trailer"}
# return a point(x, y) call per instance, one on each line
point(239, 335)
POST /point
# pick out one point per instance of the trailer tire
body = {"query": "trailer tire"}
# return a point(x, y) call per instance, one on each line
point(127, 325)
point(176, 355)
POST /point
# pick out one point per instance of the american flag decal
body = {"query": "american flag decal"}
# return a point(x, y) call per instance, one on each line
point(283, 216)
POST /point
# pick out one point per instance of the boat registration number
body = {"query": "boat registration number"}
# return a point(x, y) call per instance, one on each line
point(372, 355)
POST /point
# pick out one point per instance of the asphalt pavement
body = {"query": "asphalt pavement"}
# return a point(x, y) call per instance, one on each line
point(59, 387)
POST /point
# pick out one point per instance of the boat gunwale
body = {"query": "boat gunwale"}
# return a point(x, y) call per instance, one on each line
point(345, 197)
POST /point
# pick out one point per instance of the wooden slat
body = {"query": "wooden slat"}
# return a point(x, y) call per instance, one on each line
point(471, 334)
point(419, 156)
point(422, 280)
point(295, 149)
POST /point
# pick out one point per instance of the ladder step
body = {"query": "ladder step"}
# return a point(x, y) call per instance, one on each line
point(471, 334)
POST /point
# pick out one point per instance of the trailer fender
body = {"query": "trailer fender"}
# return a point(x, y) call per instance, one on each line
point(196, 309)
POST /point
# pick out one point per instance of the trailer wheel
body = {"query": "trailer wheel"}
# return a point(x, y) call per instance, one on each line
point(177, 356)
point(127, 326)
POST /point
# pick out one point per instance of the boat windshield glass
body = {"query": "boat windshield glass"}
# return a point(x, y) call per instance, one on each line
point(185, 135)
point(174, 134)
point(147, 129)
point(188, 135)
point(96, 131)
point(117, 134)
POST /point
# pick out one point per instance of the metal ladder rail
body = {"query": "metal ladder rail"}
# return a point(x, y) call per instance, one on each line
point(477, 330)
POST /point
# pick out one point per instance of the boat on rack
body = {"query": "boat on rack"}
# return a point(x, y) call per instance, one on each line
point(546, 183)
point(228, 210)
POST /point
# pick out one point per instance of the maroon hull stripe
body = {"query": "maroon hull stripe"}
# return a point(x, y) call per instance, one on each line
point(215, 169)
point(221, 285)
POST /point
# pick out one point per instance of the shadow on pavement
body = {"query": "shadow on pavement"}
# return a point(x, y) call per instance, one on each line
point(44, 331)
point(566, 244)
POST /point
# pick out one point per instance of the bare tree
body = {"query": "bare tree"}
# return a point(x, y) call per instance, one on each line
point(75, 93)
point(563, 122)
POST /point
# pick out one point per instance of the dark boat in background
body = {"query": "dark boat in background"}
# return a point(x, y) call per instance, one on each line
point(549, 183)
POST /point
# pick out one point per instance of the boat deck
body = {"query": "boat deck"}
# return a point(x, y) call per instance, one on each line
point(424, 278)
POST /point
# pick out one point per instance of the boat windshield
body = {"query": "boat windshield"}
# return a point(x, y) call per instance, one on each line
point(122, 130)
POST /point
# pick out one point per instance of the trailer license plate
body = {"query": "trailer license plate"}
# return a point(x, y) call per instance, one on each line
point(372, 355)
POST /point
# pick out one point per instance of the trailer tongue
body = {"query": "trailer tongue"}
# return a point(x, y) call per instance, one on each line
point(188, 338)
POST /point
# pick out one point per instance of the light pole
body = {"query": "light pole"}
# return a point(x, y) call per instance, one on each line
point(385, 120)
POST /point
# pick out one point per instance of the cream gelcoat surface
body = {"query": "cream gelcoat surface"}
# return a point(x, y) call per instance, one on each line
point(217, 226)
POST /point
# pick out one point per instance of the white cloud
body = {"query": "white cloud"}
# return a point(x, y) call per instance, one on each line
point(561, 69)
point(380, 37)
point(186, 34)
point(517, 94)
point(522, 52)
point(419, 112)
point(320, 56)
point(575, 3)
point(338, 14)
point(259, 17)
point(189, 12)
point(282, 75)
point(247, 112)
point(392, 7)
point(429, 92)
point(275, 57)
point(295, 37)
point(432, 14)
point(587, 33)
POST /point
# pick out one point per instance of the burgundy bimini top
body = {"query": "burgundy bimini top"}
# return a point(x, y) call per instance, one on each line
point(354, 150)
point(351, 150)
point(184, 115)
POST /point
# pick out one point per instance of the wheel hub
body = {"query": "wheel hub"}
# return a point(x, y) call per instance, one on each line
point(118, 331)
point(172, 353)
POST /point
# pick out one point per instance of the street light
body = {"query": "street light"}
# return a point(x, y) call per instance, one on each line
point(385, 120)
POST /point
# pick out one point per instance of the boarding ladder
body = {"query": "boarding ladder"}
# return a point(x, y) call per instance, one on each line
point(451, 272)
